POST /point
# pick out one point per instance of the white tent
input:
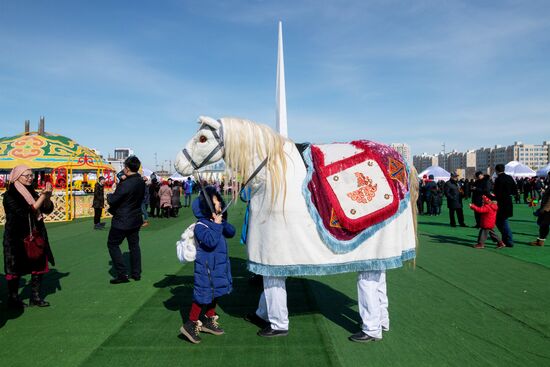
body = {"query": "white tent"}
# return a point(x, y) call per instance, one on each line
point(439, 173)
point(146, 172)
point(517, 169)
point(177, 177)
point(543, 172)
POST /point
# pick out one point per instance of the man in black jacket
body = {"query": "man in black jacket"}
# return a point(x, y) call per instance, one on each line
point(504, 188)
point(125, 206)
point(454, 201)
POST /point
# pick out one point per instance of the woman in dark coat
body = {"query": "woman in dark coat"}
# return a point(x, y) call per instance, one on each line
point(25, 208)
point(176, 198)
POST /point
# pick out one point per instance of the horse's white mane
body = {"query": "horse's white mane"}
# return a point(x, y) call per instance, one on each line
point(244, 140)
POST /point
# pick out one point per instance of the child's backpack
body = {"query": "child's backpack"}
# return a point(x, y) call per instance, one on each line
point(186, 249)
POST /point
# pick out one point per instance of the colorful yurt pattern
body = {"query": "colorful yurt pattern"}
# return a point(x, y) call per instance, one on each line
point(47, 151)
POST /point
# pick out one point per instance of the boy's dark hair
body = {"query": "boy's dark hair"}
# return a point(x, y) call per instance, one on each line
point(499, 168)
point(132, 163)
point(203, 205)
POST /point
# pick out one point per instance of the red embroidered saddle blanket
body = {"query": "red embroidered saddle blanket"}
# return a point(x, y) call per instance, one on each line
point(356, 185)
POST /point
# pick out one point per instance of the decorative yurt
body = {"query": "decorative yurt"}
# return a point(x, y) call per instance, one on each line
point(70, 167)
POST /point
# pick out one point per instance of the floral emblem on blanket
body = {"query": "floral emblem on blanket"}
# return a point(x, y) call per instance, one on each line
point(366, 190)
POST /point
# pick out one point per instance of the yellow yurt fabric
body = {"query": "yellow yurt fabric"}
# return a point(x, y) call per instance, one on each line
point(47, 151)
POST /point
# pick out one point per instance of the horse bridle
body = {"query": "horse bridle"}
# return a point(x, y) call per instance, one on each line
point(219, 139)
point(220, 146)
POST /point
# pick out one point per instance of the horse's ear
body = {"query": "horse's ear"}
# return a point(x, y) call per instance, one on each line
point(209, 121)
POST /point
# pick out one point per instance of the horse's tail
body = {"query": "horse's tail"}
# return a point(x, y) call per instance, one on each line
point(414, 186)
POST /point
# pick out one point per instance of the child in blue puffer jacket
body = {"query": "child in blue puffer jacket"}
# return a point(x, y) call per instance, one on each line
point(212, 275)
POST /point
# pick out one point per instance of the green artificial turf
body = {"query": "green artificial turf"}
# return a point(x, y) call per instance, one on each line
point(457, 306)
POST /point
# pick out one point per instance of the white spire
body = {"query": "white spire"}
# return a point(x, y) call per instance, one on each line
point(281, 90)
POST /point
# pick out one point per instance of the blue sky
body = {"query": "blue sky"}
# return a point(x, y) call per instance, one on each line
point(138, 73)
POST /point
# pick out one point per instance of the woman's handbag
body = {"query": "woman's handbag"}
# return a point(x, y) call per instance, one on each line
point(34, 243)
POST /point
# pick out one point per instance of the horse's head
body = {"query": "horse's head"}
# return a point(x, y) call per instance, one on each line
point(204, 148)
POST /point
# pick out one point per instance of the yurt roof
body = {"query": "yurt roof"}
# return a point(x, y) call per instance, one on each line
point(47, 151)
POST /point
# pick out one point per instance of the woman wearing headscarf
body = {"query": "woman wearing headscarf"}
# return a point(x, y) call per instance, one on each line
point(24, 209)
point(165, 194)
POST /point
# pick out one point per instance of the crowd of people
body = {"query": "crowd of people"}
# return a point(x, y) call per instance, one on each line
point(491, 199)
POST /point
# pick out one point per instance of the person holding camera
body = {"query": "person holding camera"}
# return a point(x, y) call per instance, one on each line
point(125, 206)
point(26, 246)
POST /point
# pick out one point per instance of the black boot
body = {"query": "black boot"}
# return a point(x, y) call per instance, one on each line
point(36, 300)
point(14, 302)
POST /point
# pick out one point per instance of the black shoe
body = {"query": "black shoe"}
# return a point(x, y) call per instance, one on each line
point(453, 225)
point(253, 318)
point(268, 332)
point(98, 226)
point(210, 325)
point(463, 225)
point(191, 331)
point(137, 278)
point(119, 280)
point(38, 302)
point(361, 337)
point(102, 225)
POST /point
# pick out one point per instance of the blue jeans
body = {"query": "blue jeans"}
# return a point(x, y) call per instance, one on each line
point(144, 211)
point(504, 228)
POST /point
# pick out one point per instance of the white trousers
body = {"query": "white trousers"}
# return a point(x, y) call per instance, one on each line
point(373, 302)
point(272, 305)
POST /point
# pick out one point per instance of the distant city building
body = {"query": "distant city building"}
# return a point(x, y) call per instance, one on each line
point(421, 162)
point(534, 156)
point(214, 167)
point(485, 159)
point(120, 155)
point(404, 150)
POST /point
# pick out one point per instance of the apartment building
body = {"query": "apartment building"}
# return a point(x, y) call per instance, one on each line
point(485, 159)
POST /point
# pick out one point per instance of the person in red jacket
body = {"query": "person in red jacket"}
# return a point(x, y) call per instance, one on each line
point(488, 217)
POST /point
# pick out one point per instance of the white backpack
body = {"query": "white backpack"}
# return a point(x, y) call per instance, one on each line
point(186, 249)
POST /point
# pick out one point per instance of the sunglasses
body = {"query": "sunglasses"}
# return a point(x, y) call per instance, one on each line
point(30, 175)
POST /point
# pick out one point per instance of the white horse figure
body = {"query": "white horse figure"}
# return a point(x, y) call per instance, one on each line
point(351, 210)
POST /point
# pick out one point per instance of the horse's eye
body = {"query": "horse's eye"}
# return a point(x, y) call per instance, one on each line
point(203, 139)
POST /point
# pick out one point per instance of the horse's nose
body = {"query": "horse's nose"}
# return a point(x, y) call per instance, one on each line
point(182, 165)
